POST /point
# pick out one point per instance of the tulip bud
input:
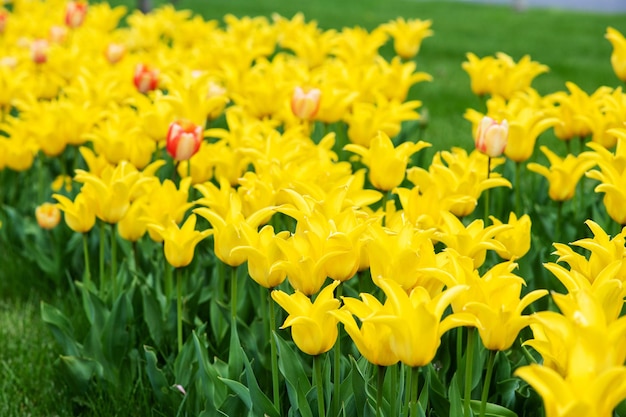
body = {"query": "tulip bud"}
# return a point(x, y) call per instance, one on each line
point(491, 136)
point(75, 13)
point(58, 33)
point(305, 104)
point(114, 52)
point(48, 215)
point(39, 50)
point(183, 139)
point(4, 15)
point(145, 78)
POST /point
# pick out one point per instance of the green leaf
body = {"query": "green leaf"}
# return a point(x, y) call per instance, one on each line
point(214, 388)
point(261, 404)
point(240, 390)
point(456, 401)
point(235, 356)
point(157, 379)
point(298, 383)
point(359, 382)
point(152, 314)
point(116, 335)
point(80, 371)
point(95, 310)
point(492, 410)
point(61, 329)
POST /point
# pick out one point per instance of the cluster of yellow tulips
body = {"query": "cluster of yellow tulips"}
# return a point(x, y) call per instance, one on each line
point(276, 139)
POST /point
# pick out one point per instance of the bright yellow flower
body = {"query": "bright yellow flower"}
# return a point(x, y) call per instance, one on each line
point(564, 173)
point(111, 193)
point(457, 178)
point(264, 256)
point(398, 77)
point(575, 109)
point(306, 40)
point(79, 214)
point(357, 46)
point(415, 321)
point(164, 203)
point(373, 340)
point(500, 308)
point(501, 75)
point(231, 227)
point(313, 327)
point(612, 177)
point(472, 240)
point(603, 251)
point(618, 56)
point(180, 243)
point(516, 240)
point(133, 225)
point(582, 397)
point(408, 35)
point(401, 255)
point(366, 119)
point(386, 163)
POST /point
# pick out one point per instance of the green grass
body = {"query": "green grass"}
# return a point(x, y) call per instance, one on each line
point(571, 44)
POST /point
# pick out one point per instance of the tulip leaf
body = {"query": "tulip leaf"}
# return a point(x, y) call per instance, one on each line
point(359, 382)
point(235, 356)
point(298, 384)
point(620, 410)
point(61, 328)
point(240, 390)
point(81, 371)
point(152, 315)
point(115, 334)
point(213, 387)
point(492, 410)
point(156, 377)
point(95, 309)
point(454, 395)
point(261, 405)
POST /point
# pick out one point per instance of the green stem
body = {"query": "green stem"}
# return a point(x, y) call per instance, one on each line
point(317, 364)
point(414, 390)
point(394, 390)
point(487, 191)
point(40, 179)
point(102, 245)
point(87, 275)
point(518, 204)
point(469, 362)
point(337, 365)
point(233, 294)
point(559, 213)
point(273, 352)
point(485, 394)
point(179, 308)
point(168, 281)
point(113, 262)
point(380, 381)
point(407, 389)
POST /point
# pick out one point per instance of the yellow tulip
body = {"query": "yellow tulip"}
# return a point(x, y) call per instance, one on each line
point(231, 228)
point(264, 256)
point(563, 397)
point(618, 56)
point(611, 176)
point(408, 35)
point(313, 327)
point(79, 214)
point(386, 163)
point(180, 243)
point(564, 173)
point(472, 240)
point(415, 321)
point(373, 340)
point(516, 240)
point(603, 251)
